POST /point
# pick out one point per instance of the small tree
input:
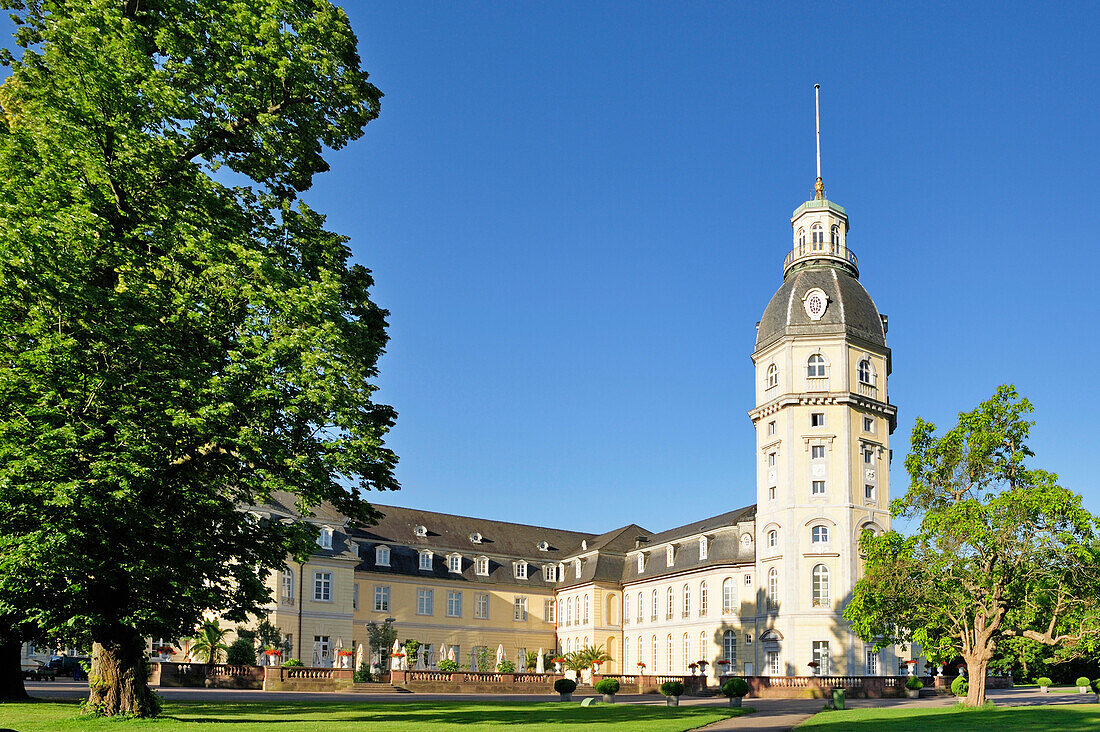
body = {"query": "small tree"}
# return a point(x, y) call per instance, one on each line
point(210, 642)
point(241, 652)
point(531, 660)
point(380, 637)
point(1001, 550)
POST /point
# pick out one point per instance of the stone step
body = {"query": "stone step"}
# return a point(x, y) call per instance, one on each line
point(377, 688)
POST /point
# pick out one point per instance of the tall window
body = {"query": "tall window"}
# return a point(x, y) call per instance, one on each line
point(641, 562)
point(586, 609)
point(454, 563)
point(668, 610)
point(481, 566)
point(821, 655)
point(815, 366)
point(654, 654)
point(773, 539)
point(773, 588)
point(772, 378)
point(866, 375)
point(425, 560)
point(801, 239)
point(872, 661)
point(481, 606)
point(548, 611)
point(817, 234)
point(424, 601)
point(382, 598)
point(685, 659)
point(519, 609)
point(669, 555)
point(382, 556)
point(817, 452)
point(819, 535)
point(703, 547)
point(640, 659)
point(687, 601)
point(868, 457)
point(355, 596)
point(703, 646)
point(322, 586)
point(668, 646)
point(577, 568)
point(772, 659)
point(288, 586)
point(454, 604)
point(729, 596)
point(703, 599)
point(641, 611)
point(821, 586)
point(654, 608)
point(729, 648)
point(836, 234)
point(569, 611)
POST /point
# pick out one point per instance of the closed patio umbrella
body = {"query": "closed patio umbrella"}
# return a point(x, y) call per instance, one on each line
point(540, 664)
point(359, 657)
point(500, 655)
point(395, 662)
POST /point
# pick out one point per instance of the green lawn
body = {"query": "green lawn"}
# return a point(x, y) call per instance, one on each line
point(448, 716)
point(1073, 717)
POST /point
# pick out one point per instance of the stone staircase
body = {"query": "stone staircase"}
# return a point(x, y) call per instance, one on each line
point(377, 688)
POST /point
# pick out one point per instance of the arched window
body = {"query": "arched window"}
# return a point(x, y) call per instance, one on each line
point(815, 366)
point(671, 595)
point(836, 234)
point(626, 653)
point(866, 374)
point(729, 648)
point(772, 378)
point(654, 654)
point(569, 611)
point(640, 657)
point(801, 240)
point(773, 539)
point(687, 601)
point(819, 535)
point(821, 586)
point(703, 599)
point(668, 643)
point(817, 236)
point(653, 615)
point(611, 617)
point(641, 613)
point(577, 612)
point(703, 646)
point(686, 659)
point(586, 610)
point(729, 596)
point(773, 588)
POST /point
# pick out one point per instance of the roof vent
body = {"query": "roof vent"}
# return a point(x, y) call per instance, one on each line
point(544, 546)
point(475, 538)
point(421, 531)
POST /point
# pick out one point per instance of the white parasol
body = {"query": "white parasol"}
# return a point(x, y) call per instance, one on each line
point(359, 657)
point(540, 664)
point(451, 653)
point(500, 655)
point(395, 662)
point(316, 653)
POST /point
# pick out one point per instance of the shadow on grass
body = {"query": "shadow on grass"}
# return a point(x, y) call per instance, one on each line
point(1056, 718)
point(533, 715)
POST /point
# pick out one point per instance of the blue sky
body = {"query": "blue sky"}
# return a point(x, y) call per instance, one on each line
point(576, 213)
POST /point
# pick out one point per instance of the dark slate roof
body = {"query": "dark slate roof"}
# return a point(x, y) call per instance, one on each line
point(850, 310)
point(723, 547)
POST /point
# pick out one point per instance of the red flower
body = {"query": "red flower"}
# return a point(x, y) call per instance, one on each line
point(723, 662)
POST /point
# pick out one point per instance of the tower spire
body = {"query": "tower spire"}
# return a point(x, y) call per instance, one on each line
point(819, 186)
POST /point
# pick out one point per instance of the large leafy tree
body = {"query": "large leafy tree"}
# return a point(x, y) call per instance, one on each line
point(1001, 551)
point(178, 336)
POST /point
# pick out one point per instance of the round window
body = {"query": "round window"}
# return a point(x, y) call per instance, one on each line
point(815, 301)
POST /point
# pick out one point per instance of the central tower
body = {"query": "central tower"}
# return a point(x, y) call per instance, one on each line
point(823, 422)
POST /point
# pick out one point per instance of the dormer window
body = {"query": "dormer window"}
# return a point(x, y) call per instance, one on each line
point(324, 539)
point(669, 554)
point(382, 556)
point(641, 563)
point(475, 538)
point(544, 546)
point(481, 566)
point(425, 559)
point(520, 570)
point(772, 377)
point(550, 573)
point(577, 568)
point(454, 562)
point(703, 547)
point(355, 548)
point(421, 531)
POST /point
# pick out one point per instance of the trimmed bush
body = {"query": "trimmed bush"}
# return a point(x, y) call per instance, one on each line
point(241, 653)
point(293, 662)
point(1083, 681)
point(672, 688)
point(735, 687)
point(914, 684)
point(448, 666)
point(565, 686)
point(960, 686)
point(1095, 685)
point(363, 675)
point(1043, 681)
point(506, 667)
point(607, 686)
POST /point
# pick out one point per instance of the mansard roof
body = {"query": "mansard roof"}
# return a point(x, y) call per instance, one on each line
point(724, 546)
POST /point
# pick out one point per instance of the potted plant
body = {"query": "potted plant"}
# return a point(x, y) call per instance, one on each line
point(292, 662)
point(693, 667)
point(1083, 684)
point(641, 667)
point(506, 667)
point(1044, 684)
point(723, 666)
point(913, 685)
point(565, 687)
point(960, 687)
point(735, 688)
point(447, 666)
point(672, 691)
point(702, 666)
point(608, 687)
point(911, 666)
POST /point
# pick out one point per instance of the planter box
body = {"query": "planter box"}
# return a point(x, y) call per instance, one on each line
point(672, 701)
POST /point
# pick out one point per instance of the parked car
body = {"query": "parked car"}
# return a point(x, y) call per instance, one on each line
point(38, 671)
point(70, 666)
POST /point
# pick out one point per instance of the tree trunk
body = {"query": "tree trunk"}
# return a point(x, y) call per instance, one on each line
point(976, 668)
point(119, 680)
point(11, 673)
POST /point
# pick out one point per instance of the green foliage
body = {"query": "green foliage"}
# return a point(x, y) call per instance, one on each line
point(735, 686)
point(672, 688)
point(1043, 681)
point(960, 686)
point(506, 667)
point(176, 345)
point(531, 660)
point(1001, 549)
point(447, 665)
point(607, 686)
point(362, 674)
point(565, 686)
point(485, 659)
point(380, 638)
point(1095, 685)
point(410, 647)
point(241, 652)
point(209, 645)
point(913, 683)
point(586, 658)
point(1083, 681)
point(292, 662)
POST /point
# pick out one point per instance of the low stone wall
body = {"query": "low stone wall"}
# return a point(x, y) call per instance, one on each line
point(208, 675)
point(306, 678)
point(471, 682)
point(817, 687)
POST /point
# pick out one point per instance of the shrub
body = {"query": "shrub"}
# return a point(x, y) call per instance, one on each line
point(607, 686)
point(506, 667)
point(1043, 681)
point(363, 674)
point(1095, 685)
point(960, 686)
point(448, 666)
point(241, 653)
point(1083, 681)
point(292, 662)
point(914, 684)
point(735, 687)
point(565, 686)
point(672, 688)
